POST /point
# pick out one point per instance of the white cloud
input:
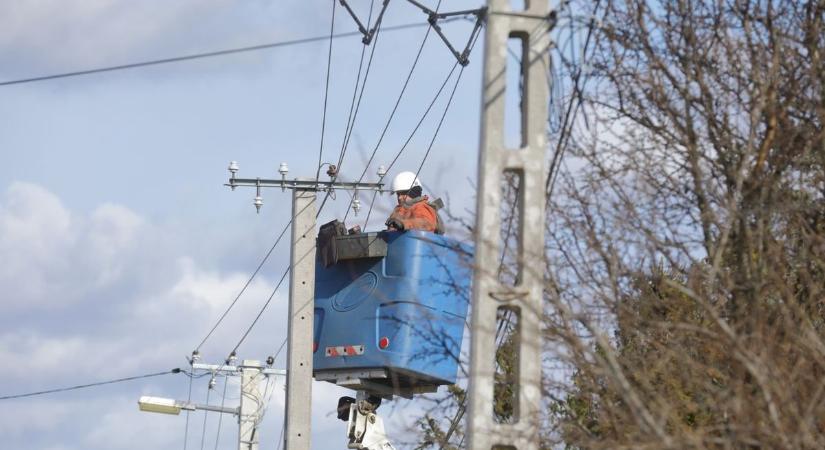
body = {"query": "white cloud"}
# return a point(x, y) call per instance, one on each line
point(34, 229)
point(82, 32)
point(55, 259)
point(101, 297)
point(65, 35)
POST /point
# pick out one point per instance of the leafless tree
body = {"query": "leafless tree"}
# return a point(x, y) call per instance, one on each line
point(686, 230)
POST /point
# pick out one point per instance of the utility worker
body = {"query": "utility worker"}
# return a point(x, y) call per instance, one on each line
point(414, 211)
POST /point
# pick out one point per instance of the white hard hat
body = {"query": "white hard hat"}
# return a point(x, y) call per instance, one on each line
point(404, 181)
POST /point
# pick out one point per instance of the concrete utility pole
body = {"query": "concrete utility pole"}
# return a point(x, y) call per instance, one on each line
point(251, 405)
point(301, 290)
point(524, 300)
point(301, 312)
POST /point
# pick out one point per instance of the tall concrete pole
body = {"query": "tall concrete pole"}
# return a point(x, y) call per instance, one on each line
point(301, 291)
point(524, 299)
point(249, 412)
point(301, 309)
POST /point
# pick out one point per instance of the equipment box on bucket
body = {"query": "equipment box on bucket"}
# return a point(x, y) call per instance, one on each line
point(390, 312)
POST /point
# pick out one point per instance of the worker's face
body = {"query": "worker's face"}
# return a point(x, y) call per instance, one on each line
point(401, 196)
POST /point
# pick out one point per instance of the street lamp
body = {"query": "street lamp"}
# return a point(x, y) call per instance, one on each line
point(169, 406)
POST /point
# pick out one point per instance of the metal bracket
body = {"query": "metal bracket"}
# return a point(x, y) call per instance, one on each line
point(232, 370)
point(368, 34)
point(310, 185)
point(363, 380)
point(433, 17)
point(365, 429)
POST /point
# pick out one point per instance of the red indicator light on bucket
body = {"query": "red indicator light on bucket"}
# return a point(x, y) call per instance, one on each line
point(314, 347)
point(383, 343)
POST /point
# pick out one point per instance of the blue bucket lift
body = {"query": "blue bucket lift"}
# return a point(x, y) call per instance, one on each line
point(390, 310)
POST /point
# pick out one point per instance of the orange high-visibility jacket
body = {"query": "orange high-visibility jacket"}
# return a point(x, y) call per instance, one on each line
point(416, 215)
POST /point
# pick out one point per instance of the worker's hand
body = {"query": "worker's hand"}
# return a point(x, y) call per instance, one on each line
point(395, 224)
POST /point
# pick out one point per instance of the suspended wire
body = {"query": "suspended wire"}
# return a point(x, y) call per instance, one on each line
point(281, 434)
point(258, 269)
point(348, 133)
point(351, 119)
point(263, 401)
point(269, 300)
point(205, 415)
point(392, 114)
point(444, 115)
point(188, 400)
point(203, 55)
point(281, 347)
point(352, 107)
point(271, 296)
point(220, 416)
point(566, 130)
point(246, 285)
point(84, 386)
point(280, 282)
point(424, 116)
point(192, 375)
point(353, 114)
point(412, 134)
point(326, 91)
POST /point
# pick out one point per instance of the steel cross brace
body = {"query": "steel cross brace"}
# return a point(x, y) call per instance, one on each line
point(433, 17)
point(304, 184)
point(368, 34)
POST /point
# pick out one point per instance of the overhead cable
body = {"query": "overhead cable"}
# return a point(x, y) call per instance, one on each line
point(206, 414)
point(434, 16)
point(392, 113)
point(194, 56)
point(567, 124)
point(84, 386)
point(246, 285)
point(353, 113)
point(414, 131)
point(426, 112)
point(188, 400)
point(368, 34)
point(326, 91)
point(220, 416)
point(449, 102)
point(354, 106)
point(260, 313)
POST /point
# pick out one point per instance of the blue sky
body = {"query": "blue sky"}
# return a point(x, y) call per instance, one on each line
point(120, 245)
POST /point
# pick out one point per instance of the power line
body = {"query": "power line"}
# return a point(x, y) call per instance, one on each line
point(392, 114)
point(424, 116)
point(193, 56)
point(412, 134)
point(355, 107)
point(248, 282)
point(260, 313)
point(426, 112)
point(326, 91)
point(220, 416)
point(186, 430)
point(83, 386)
point(348, 133)
point(446, 109)
point(353, 115)
point(564, 138)
point(206, 415)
